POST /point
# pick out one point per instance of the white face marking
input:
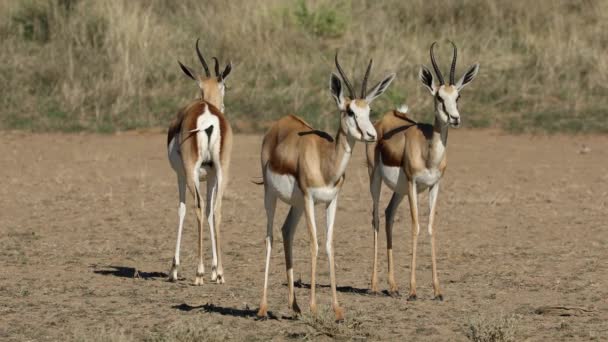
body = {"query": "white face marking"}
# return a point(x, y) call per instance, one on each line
point(448, 108)
point(359, 123)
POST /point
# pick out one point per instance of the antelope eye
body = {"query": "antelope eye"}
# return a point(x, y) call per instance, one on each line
point(350, 112)
point(440, 98)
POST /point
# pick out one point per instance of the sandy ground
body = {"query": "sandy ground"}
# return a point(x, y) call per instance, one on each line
point(521, 227)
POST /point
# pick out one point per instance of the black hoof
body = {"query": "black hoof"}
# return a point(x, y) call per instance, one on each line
point(411, 298)
point(439, 298)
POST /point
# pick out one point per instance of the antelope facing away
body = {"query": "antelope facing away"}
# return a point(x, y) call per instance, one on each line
point(303, 166)
point(411, 157)
point(199, 144)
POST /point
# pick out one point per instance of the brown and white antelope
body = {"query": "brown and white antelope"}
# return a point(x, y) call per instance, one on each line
point(303, 166)
point(199, 144)
point(411, 157)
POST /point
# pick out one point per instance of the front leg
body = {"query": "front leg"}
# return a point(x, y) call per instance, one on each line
point(331, 215)
point(413, 198)
point(309, 211)
point(375, 187)
point(433, 192)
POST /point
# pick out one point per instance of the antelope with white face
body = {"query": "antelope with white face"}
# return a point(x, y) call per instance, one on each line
point(199, 144)
point(303, 166)
point(411, 157)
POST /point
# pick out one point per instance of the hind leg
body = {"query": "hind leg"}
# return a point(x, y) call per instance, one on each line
point(194, 184)
point(217, 223)
point(289, 230)
point(212, 191)
point(270, 203)
point(181, 184)
point(390, 212)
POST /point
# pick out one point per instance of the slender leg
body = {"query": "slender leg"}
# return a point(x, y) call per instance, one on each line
point(413, 197)
point(331, 215)
point(433, 192)
point(270, 203)
point(181, 211)
point(200, 270)
point(212, 185)
point(218, 220)
point(309, 210)
point(288, 230)
point(390, 212)
point(375, 187)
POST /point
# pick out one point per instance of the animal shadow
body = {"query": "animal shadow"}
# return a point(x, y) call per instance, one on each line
point(224, 311)
point(129, 272)
point(344, 289)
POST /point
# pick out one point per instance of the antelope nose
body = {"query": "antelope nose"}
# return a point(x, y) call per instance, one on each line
point(372, 136)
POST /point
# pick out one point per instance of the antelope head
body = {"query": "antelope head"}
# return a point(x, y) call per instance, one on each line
point(446, 96)
point(354, 111)
point(212, 87)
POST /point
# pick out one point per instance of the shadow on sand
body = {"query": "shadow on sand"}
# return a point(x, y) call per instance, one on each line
point(224, 311)
point(344, 289)
point(128, 272)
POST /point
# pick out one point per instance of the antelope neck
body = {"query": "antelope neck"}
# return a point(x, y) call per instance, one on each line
point(438, 143)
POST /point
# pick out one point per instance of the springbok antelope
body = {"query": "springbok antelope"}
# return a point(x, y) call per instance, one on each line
point(411, 157)
point(199, 144)
point(303, 166)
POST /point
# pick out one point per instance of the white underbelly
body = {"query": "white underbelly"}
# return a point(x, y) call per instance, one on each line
point(394, 178)
point(284, 186)
point(427, 178)
point(324, 194)
point(287, 189)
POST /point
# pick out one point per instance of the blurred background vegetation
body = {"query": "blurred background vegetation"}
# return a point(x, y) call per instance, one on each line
point(72, 65)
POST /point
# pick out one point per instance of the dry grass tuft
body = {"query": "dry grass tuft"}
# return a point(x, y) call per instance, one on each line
point(324, 323)
point(181, 331)
point(74, 65)
point(492, 329)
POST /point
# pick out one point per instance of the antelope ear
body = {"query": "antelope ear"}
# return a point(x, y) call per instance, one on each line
point(189, 72)
point(468, 76)
point(426, 77)
point(335, 86)
point(227, 70)
point(380, 88)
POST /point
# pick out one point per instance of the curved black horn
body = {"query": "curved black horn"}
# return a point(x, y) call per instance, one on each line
point(364, 85)
point(437, 72)
point(200, 57)
point(344, 78)
point(453, 68)
point(217, 67)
